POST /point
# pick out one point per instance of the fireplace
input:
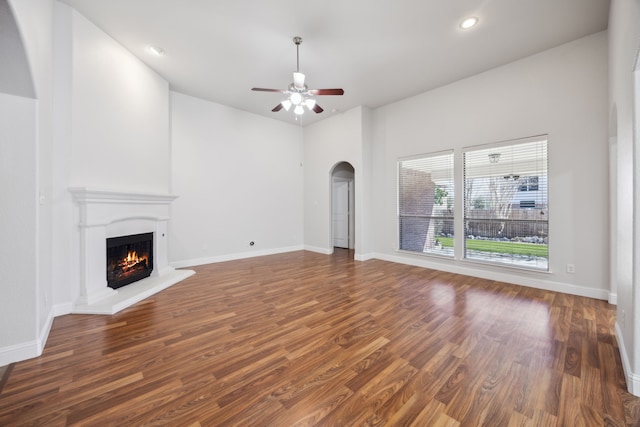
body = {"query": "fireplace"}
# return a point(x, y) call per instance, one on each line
point(104, 215)
point(129, 259)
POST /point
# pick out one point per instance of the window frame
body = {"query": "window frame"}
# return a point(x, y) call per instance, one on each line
point(449, 254)
point(542, 184)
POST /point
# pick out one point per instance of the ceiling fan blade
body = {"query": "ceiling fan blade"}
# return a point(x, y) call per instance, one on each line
point(326, 92)
point(277, 108)
point(317, 109)
point(261, 89)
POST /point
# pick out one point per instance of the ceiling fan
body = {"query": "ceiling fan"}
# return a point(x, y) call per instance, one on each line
point(299, 94)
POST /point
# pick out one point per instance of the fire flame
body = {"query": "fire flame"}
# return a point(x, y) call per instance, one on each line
point(132, 259)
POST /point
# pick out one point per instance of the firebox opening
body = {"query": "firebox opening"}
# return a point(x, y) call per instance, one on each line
point(129, 259)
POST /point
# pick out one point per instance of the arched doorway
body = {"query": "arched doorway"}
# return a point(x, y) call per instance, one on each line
point(343, 206)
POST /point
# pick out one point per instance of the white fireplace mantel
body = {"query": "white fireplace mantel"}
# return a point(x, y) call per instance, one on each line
point(103, 214)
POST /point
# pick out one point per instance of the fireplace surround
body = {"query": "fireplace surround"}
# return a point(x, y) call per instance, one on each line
point(105, 214)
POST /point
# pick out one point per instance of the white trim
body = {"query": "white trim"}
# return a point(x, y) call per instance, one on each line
point(363, 257)
point(613, 298)
point(632, 379)
point(318, 250)
point(19, 352)
point(233, 257)
point(29, 349)
point(95, 195)
point(44, 333)
point(538, 283)
point(62, 309)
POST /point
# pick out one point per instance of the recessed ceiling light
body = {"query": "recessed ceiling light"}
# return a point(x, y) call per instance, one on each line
point(468, 22)
point(157, 51)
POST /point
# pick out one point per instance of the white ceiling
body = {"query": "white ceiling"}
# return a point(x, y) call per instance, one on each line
point(377, 51)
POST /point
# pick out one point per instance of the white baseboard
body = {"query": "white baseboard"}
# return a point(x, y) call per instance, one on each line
point(316, 249)
point(532, 282)
point(633, 380)
point(232, 257)
point(44, 333)
point(363, 257)
point(27, 350)
point(613, 298)
point(62, 309)
point(18, 352)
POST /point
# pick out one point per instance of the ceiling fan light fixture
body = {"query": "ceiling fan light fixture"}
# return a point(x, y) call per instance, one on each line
point(295, 98)
point(286, 104)
point(298, 110)
point(310, 103)
point(468, 22)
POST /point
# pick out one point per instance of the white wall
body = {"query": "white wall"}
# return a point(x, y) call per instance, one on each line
point(18, 179)
point(111, 132)
point(561, 92)
point(31, 168)
point(239, 179)
point(369, 192)
point(327, 143)
point(624, 42)
point(120, 116)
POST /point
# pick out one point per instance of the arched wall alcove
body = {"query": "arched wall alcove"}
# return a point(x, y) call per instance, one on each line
point(342, 220)
point(15, 74)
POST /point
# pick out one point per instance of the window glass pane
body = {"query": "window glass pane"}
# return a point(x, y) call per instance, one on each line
point(425, 204)
point(506, 204)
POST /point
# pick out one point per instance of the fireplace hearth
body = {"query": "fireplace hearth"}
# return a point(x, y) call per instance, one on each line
point(129, 259)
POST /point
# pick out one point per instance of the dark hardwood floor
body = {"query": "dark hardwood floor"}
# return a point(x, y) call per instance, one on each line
point(309, 339)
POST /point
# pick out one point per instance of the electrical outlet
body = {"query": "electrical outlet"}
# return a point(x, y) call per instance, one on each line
point(571, 268)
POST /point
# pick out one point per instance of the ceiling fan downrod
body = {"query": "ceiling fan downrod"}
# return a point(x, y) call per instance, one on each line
point(297, 40)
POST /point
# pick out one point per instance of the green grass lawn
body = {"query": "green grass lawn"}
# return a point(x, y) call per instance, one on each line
point(516, 248)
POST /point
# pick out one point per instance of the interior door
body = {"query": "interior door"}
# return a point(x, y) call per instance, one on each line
point(341, 214)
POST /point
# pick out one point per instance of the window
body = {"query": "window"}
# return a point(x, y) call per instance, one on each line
point(506, 203)
point(425, 204)
point(529, 183)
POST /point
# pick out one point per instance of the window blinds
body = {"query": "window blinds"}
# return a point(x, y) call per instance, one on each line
point(506, 203)
point(425, 204)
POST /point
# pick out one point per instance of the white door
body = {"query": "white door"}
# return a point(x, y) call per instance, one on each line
point(341, 214)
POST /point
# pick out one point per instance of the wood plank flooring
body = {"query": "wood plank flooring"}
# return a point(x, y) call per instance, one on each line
point(303, 339)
